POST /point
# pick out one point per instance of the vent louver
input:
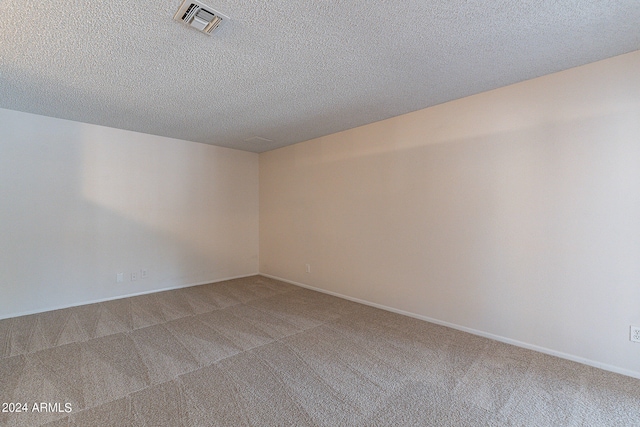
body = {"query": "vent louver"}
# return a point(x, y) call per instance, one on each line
point(201, 17)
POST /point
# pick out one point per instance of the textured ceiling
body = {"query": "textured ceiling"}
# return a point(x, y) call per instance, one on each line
point(287, 70)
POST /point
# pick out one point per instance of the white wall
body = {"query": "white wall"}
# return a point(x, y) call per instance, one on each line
point(80, 203)
point(513, 213)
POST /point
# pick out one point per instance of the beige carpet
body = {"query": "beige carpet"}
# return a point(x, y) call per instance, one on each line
point(260, 352)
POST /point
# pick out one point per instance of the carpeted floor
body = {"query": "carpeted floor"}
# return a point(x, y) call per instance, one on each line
point(260, 352)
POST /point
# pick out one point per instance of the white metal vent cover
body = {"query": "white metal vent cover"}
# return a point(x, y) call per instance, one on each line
point(199, 16)
point(258, 139)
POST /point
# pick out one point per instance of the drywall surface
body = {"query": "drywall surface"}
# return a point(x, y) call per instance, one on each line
point(514, 213)
point(80, 203)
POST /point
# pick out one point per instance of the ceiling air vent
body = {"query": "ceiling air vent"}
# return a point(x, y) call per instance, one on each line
point(258, 139)
point(199, 16)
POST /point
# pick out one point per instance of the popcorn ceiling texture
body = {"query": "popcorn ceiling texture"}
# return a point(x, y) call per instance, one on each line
point(287, 70)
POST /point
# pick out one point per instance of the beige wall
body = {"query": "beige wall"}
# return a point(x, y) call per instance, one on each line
point(80, 203)
point(514, 213)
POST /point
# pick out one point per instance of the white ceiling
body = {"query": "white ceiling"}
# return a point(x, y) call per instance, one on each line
point(287, 70)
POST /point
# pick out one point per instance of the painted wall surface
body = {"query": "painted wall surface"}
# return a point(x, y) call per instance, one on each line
point(80, 203)
point(514, 213)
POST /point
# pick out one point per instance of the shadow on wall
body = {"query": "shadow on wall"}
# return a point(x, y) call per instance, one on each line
point(81, 203)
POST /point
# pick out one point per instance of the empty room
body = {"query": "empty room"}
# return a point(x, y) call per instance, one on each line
point(329, 213)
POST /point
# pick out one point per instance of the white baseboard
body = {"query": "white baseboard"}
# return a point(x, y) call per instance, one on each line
point(573, 358)
point(135, 294)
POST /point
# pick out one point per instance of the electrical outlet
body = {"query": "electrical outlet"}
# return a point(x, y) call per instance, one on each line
point(134, 276)
point(119, 277)
point(635, 334)
point(308, 268)
point(144, 273)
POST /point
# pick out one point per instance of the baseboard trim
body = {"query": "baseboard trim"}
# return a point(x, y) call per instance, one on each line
point(26, 313)
point(573, 358)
